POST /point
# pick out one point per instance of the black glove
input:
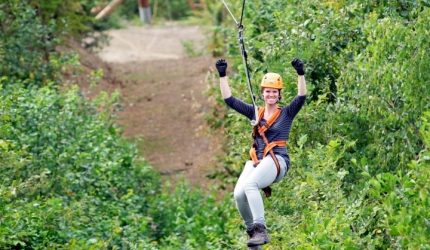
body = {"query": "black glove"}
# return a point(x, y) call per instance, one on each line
point(221, 66)
point(299, 66)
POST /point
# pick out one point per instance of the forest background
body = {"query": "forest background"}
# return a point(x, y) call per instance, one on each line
point(359, 148)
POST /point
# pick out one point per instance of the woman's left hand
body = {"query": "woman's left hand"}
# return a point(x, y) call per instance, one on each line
point(298, 66)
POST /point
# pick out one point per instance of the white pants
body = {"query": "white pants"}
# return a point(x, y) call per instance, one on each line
point(246, 192)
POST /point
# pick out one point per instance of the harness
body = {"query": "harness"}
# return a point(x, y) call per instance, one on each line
point(261, 130)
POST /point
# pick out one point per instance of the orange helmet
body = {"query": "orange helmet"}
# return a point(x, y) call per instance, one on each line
point(272, 80)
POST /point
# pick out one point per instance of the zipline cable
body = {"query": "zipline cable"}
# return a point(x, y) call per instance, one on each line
point(231, 14)
point(244, 58)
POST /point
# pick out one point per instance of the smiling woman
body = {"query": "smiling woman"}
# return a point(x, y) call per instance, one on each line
point(270, 137)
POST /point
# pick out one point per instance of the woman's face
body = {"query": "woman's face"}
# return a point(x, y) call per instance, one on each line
point(270, 95)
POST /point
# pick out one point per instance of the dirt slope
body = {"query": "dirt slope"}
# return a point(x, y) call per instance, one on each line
point(164, 102)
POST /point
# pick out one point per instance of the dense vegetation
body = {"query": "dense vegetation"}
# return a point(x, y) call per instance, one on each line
point(359, 148)
point(68, 180)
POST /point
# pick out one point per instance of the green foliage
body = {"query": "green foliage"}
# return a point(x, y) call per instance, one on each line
point(172, 10)
point(71, 169)
point(69, 180)
point(27, 45)
point(31, 31)
point(192, 220)
point(69, 16)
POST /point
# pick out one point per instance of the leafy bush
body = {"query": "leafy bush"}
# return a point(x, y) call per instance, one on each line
point(69, 180)
point(31, 31)
point(27, 45)
point(71, 161)
point(172, 10)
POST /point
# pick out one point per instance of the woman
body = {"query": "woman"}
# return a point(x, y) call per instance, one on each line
point(270, 161)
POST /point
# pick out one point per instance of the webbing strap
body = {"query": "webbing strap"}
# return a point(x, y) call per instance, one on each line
point(272, 119)
point(273, 144)
point(268, 190)
point(256, 161)
point(267, 149)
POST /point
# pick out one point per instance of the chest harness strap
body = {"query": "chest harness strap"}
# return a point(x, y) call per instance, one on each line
point(269, 145)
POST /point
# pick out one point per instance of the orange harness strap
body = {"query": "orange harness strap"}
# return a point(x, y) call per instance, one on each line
point(269, 123)
point(269, 146)
point(273, 144)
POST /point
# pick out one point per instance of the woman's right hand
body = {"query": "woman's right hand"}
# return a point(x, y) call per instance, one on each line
point(221, 66)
